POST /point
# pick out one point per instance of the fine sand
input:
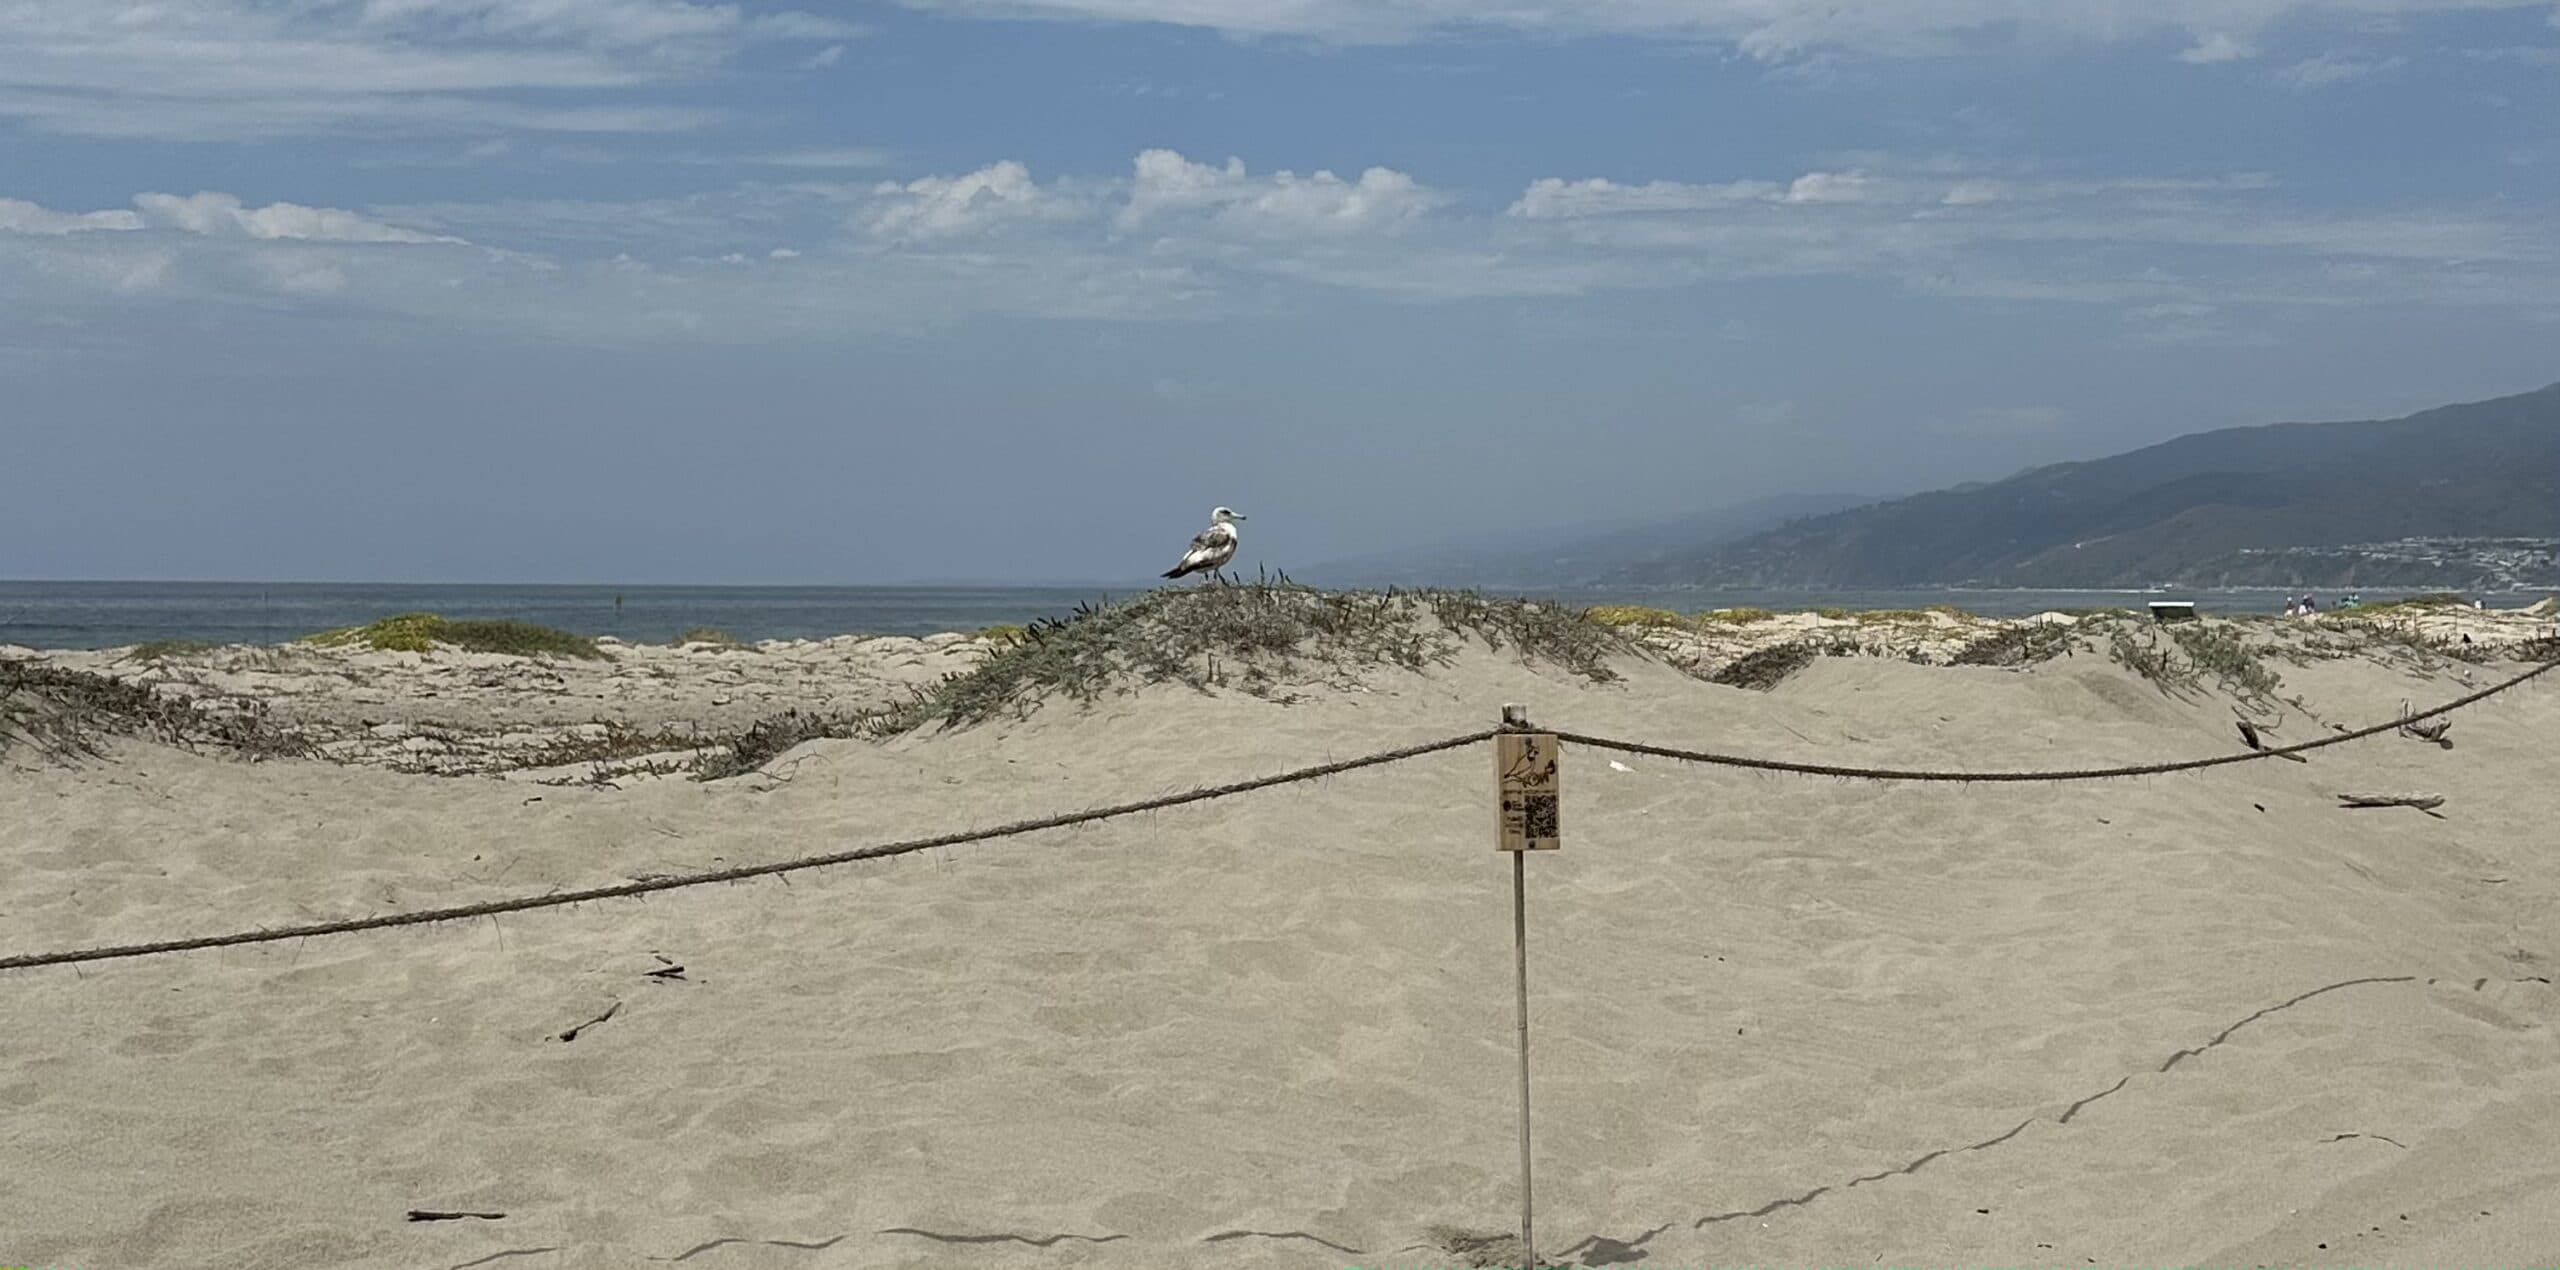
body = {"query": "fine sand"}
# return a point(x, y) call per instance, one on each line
point(2208, 1018)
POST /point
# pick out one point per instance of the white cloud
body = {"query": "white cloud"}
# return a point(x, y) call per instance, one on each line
point(2184, 257)
point(1382, 197)
point(2526, 54)
point(224, 215)
point(252, 68)
point(1829, 187)
point(17, 216)
point(824, 58)
point(1766, 29)
point(214, 215)
point(1167, 183)
point(2331, 69)
point(2214, 47)
point(936, 207)
point(1553, 197)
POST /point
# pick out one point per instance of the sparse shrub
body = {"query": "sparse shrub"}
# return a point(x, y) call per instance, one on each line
point(2220, 651)
point(158, 649)
point(1003, 633)
point(2145, 657)
point(1768, 667)
point(65, 714)
point(2408, 607)
point(1633, 615)
point(768, 739)
point(1737, 616)
point(1254, 636)
point(1834, 614)
point(2195, 650)
point(2021, 645)
point(421, 632)
point(617, 741)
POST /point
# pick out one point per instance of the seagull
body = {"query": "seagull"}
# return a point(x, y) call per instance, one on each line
point(1215, 546)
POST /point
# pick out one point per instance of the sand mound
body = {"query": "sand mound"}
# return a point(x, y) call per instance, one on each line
point(2208, 1018)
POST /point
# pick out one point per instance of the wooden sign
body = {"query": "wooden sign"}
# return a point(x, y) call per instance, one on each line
point(1529, 791)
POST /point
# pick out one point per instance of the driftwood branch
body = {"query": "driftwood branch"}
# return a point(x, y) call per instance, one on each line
point(2249, 736)
point(609, 1012)
point(2423, 802)
point(2433, 730)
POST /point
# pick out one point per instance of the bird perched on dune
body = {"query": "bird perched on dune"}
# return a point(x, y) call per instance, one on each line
point(1212, 549)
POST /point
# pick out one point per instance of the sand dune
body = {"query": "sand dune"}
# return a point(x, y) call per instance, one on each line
point(2199, 1019)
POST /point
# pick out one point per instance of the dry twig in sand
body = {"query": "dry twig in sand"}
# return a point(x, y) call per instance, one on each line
point(2423, 802)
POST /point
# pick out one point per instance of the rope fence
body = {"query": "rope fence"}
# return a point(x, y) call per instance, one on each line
point(2069, 774)
point(740, 873)
point(880, 851)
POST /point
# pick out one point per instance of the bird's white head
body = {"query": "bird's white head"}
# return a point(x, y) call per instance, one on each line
point(1221, 516)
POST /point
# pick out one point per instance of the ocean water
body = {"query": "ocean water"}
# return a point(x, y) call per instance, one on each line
point(112, 614)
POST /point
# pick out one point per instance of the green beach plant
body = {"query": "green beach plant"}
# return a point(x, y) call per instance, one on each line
point(162, 649)
point(421, 632)
point(1736, 616)
point(1635, 615)
point(1258, 637)
point(2023, 644)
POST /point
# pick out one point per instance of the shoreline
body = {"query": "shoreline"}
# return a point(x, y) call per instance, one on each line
point(100, 615)
point(643, 708)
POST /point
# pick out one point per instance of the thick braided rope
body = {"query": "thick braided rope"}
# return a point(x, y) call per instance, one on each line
point(742, 872)
point(2079, 774)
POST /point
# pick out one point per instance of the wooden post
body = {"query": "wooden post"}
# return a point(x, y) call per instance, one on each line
point(1520, 956)
point(1517, 839)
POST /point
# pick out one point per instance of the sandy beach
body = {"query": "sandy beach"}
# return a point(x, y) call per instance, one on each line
point(2200, 1019)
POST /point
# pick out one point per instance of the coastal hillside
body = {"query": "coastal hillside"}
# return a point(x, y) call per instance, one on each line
point(2368, 503)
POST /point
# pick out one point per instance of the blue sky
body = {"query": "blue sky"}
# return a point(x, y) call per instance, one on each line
point(657, 290)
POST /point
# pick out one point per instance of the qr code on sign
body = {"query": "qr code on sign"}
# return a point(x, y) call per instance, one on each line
point(1539, 814)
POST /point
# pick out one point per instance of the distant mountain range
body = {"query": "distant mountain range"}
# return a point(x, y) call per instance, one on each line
point(2462, 496)
point(1575, 555)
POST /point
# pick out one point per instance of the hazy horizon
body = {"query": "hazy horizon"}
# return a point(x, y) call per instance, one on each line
point(807, 292)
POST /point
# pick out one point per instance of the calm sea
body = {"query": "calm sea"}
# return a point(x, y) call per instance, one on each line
point(110, 614)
